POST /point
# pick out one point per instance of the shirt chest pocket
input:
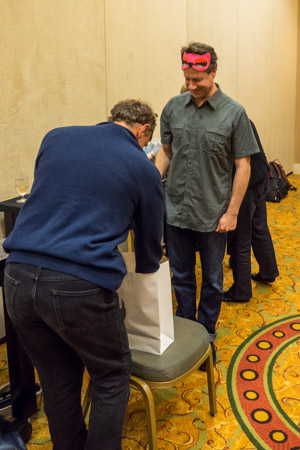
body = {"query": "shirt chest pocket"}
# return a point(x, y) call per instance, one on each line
point(215, 140)
point(177, 134)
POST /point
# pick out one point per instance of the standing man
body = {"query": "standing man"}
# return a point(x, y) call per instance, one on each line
point(64, 267)
point(252, 230)
point(203, 132)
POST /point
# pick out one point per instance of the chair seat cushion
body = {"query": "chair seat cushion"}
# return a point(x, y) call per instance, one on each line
point(191, 341)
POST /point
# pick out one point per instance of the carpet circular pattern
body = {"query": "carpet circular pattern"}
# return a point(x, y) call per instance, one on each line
point(251, 390)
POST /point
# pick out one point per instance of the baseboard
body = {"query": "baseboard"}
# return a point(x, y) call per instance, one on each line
point(296, 169)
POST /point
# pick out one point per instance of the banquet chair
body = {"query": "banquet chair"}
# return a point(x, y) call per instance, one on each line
point(190, 349)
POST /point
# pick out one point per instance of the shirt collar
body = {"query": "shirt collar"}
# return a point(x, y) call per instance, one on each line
point(213, 100)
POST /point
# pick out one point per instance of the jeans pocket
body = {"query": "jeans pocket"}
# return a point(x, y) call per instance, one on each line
point(10, 289)
point(81, 310)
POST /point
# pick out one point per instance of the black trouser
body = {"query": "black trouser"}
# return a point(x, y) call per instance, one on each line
point(252, 230)
point(67, 323)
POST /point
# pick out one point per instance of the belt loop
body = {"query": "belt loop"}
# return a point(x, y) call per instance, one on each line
point(37, 276)
point(120, 302)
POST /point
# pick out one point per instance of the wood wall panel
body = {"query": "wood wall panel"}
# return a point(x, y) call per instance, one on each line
point(254, 57)
point(283, 81)
point(297, 131)
point(216, 23)
point(52, 73)
point(256, 42)
point(143, 41)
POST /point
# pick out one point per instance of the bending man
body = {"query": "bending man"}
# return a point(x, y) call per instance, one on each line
point(64, 266)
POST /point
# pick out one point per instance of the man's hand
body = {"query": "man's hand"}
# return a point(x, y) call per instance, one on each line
point(227, 223)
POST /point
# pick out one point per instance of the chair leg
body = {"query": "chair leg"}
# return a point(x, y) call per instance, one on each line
point(87, 400)
point(150, 410)
point(211, 384)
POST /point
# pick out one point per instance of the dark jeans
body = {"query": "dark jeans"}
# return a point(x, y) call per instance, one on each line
point(182, 247)
point(66, 323)
point(252, 230)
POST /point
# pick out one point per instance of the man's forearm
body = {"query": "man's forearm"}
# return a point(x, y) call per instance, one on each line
point(163, 159)
point(240, 183)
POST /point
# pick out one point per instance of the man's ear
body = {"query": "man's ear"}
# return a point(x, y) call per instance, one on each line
point(214, 71)
point(142, 129)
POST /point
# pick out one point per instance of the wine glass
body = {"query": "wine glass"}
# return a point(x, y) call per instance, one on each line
point(22, 187)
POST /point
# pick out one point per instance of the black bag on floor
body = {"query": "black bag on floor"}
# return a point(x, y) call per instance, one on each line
point(278, 184)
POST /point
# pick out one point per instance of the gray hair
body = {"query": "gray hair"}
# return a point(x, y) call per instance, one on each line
point(132, 112)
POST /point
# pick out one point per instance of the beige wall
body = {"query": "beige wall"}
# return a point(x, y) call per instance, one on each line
point(297, 133)
point(52, 73)
point(143, 39)
point(68, 61)
point(256, 42)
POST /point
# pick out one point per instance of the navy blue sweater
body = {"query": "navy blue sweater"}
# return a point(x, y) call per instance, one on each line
point(90, 184)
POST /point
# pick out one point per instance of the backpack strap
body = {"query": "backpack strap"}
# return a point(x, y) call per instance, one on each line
point(273, 165)
point(281, 173)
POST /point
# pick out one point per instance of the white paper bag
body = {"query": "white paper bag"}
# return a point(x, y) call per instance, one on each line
point(148, 302)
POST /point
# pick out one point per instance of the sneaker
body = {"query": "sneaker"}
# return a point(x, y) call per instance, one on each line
point(203, 365)
point(227, 297)
point(258, 278)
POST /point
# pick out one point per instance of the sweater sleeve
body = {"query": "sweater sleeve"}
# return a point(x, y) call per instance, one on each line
point(148, 225)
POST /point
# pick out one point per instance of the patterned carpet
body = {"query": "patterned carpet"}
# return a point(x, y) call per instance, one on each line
point(263, 366)
point(257, 372)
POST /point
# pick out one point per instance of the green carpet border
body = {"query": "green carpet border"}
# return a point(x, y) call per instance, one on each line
point(260, 444)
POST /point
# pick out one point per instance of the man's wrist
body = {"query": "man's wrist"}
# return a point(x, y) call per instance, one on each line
point(232, 213)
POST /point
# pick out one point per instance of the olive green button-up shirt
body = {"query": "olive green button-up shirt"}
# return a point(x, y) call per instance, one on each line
point(205, 142)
